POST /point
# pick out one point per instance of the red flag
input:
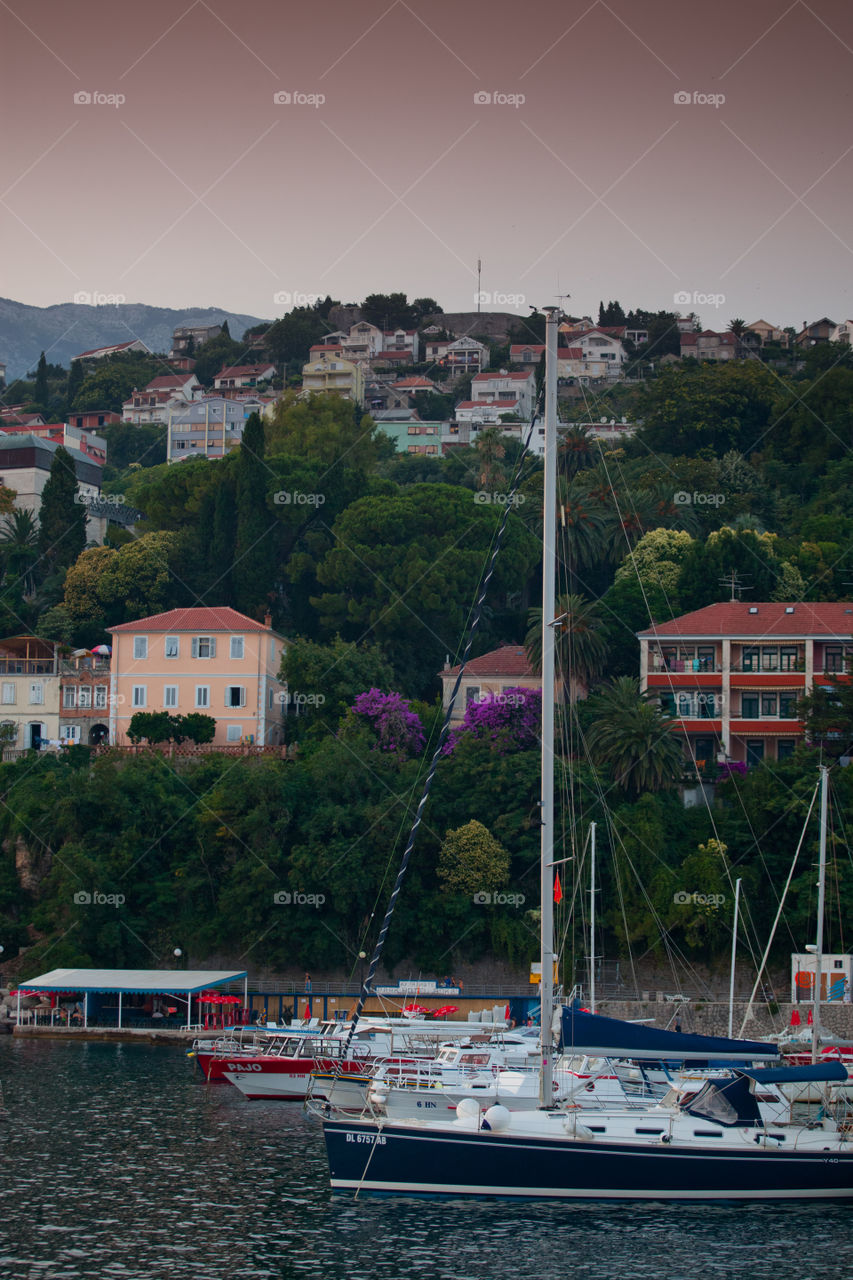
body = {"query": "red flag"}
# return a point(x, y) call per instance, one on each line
point(558, 889)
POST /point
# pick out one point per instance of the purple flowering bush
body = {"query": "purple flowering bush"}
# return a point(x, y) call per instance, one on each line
point(397, 727)
point(510, 721)
point(731, 769)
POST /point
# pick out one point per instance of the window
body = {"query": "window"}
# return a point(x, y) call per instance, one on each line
point(785, 748)
point(172, 648)
point(139, 696)
point(8, 692)
point(84, 697)
point(69, 698)
point(787, 706)
point(235, 696)
point(472, 694)
point(37, 693)
point(706, 659)
point(202, 695)
point(789, 656)
point(750, 657)
point(667, 704)
point(170, 695)
point(70, 733)
point(749, 706)
point(140, 647)
point(832, 660)
point(754, 752)
point(204, 647)
point(769, 658)
point(100, 697)
point(234, 733)
point(769, 704)
point(236, 647)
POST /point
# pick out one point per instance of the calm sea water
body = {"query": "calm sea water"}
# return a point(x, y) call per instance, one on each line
point(116, 1161)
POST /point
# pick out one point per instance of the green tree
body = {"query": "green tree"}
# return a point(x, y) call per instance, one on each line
point(62, 519)
point(324, 680)
point(717, 407)
point(197, 727)
point(580, 646)
point(75, 381)
point(631, 740)
point(150, 726)
point(41, 393)
point(292, 337)
point(327, 429)
point(390, 311)
point(19, 542)
point(472, 861)
point(256, 536)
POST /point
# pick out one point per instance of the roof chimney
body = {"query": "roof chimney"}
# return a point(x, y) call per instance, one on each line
point(268, 621)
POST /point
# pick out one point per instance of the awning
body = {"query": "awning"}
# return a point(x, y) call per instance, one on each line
point(141, 980)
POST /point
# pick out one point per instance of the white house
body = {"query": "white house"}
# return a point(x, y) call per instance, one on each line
point(503, 385)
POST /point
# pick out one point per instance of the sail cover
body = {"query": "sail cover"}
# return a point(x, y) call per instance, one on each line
point(601, 1037)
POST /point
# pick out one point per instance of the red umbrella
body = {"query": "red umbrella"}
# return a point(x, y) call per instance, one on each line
point(811, 1018)
point(415, 1008)
point(445, 1009)
point(795, 1017)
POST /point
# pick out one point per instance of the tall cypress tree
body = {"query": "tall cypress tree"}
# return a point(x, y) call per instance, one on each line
point(257, 528)
point(62, 521)
point(75, 379)
point(42, 395)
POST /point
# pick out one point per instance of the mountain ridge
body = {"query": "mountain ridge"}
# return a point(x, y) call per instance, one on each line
point(64, 329)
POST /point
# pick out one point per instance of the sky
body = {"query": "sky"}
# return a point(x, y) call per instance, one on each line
point(209, 154)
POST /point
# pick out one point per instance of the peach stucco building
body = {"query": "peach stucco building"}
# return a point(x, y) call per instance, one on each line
point(211, 660)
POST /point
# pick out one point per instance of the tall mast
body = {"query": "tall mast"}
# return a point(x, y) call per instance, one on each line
point(732, 970)
point(592, 918)
point(821, 897)
point(549, 570)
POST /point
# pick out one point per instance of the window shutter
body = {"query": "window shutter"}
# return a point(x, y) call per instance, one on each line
point(195, 647)
point(213, 646)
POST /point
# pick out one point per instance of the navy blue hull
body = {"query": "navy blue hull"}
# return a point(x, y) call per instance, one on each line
point(411, 1161)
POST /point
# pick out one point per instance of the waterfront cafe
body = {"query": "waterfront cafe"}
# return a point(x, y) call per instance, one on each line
point(133, 997)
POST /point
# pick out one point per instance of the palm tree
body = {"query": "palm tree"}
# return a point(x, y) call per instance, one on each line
point(632, 741)
point(19, 537)
point(581, 650)
point(737, 327)
point(580, 527)
point(577, 450)
point(490, 453)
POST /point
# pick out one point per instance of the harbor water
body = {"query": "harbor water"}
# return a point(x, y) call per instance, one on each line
point(118, 1162)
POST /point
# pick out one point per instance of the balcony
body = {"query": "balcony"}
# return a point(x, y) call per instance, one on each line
point(26, 667)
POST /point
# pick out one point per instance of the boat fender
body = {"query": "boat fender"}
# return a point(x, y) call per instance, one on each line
point(666, 1137)
point(497, 1117)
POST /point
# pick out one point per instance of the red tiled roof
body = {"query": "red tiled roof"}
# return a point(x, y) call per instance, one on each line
point(508, 660)
point(516, 348)
point(168, 380)
point(244, 370)
point(570, 353)
point(689, 338)
point(517, 374)
point(393, 355)
point(770, 619)
point(199, 619)
point(414, 381)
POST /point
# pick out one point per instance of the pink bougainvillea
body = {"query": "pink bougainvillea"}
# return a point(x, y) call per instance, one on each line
point(510, 720)
point(398, 728)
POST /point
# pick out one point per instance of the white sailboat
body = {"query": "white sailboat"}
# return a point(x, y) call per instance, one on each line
point(715, 1144)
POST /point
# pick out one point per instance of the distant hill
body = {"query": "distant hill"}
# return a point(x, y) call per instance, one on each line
point(65, 330)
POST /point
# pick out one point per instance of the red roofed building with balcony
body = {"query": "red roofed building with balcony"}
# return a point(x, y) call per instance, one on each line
point(733, 673)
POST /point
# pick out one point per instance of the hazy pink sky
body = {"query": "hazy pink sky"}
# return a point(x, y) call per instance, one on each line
point(200, 189)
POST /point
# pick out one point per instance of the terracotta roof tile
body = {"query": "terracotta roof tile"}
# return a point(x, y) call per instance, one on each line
point(197, 619)
point(770, 619)
point(508, 660)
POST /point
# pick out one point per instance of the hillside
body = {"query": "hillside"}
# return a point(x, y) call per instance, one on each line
point(63, 331)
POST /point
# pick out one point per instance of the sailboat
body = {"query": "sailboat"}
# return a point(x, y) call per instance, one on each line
point(714, 1144)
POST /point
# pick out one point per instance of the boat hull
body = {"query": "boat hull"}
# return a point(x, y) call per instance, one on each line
point(459, 1162)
